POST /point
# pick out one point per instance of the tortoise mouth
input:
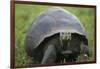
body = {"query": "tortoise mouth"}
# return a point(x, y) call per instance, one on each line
point(66, 52)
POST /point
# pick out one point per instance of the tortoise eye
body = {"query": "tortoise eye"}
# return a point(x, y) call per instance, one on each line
point(62, 33)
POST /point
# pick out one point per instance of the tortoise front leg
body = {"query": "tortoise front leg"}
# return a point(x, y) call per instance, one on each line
point(85, 52)
point(49, 55)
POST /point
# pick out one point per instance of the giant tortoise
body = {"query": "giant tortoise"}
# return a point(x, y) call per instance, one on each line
point(56, 36)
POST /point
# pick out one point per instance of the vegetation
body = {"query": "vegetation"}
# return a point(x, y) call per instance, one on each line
point(25, 14)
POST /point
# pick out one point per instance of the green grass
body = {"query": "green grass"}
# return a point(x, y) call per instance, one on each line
point(25, 14)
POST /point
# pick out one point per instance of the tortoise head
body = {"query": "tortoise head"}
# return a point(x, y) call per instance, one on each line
point(74, 44)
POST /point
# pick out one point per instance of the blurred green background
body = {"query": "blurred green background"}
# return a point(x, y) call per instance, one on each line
point(25, 14)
